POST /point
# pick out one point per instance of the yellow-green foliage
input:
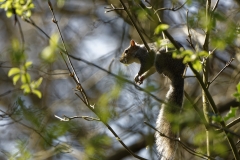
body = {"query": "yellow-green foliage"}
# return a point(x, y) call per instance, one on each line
point(49, 53)
point(19, 7)
point(27, 86)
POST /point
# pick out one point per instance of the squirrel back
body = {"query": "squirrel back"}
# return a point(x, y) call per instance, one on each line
point(160, 60)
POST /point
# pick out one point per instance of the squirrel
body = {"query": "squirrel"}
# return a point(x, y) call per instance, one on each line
point(160, 60)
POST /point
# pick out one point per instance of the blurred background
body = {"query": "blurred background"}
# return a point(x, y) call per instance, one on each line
point(28, 126)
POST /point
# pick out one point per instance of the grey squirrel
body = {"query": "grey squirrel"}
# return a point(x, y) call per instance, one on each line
point(160, 60)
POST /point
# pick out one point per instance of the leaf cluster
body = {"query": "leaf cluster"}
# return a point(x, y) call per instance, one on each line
point(19, 7)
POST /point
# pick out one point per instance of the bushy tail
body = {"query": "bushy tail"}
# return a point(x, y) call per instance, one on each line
point(166, 146)
point(168, 149)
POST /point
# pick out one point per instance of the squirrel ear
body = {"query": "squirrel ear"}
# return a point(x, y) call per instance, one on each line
point(132, 43)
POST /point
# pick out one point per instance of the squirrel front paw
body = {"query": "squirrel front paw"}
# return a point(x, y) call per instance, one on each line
point(138, 79)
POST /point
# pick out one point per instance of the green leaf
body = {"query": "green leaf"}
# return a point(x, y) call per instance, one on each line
point(28, 13)
point(187, 59)
point(9, 14)
point(216, 118)
point(197, 65)
point(16, 78)
point(203, 54)
point(48, 54)
point(28, 64)
point(141, 14)
point(37, 93)
point(237, 94)
point(238, 87)
point(38, 82)
point(231, 113)
point(26, 88)
point(187, 53)
point(13, 71)
point(26, 78)
point(17, 53)
point(54, 41)
point(161, 28)
point(219, 43)
point(60, 3)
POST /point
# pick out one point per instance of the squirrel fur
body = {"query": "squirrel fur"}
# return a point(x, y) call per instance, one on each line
point(160, 60)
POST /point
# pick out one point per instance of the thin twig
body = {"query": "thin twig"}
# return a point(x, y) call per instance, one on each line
point(171, 9)
point(123, 144)
point(233, 123)
point(114, 133)
point(31, 128)
point(215, 6)
point(168, 35)
point(112, 8)
point(9, 91)
point(20, 30)
point(225, 129)
point(189, 77)
point(30, 21)
point(136, 26)
point(208, 19)
point(79, 86)
point(189, 34)
point(227, 64)
point(87, 118)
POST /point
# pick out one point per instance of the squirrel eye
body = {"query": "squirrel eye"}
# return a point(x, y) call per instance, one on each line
point(126, 51)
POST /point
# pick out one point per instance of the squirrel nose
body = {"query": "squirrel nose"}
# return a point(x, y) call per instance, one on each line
point(121, 60)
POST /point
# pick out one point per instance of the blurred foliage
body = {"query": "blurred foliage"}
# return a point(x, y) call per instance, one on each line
point(237, 94)
point(17, 53)
point(191, 57)
point(19, 58)
point(49, 53)
point(231, 114)
point(95, 147)
point(161, 28)
point(105, 101)
point(23, 152)
point(19, 7)
point(27, 85)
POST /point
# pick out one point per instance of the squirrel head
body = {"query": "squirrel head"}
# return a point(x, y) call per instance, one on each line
point(128, 56)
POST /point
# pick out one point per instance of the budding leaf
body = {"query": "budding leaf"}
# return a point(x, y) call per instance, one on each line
point(26, 78)
point(161, 28)
point(28, 64)
point(26, 88)
point(16, 78)
point(231, 113)
point(37, 93)
point(13, 71)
